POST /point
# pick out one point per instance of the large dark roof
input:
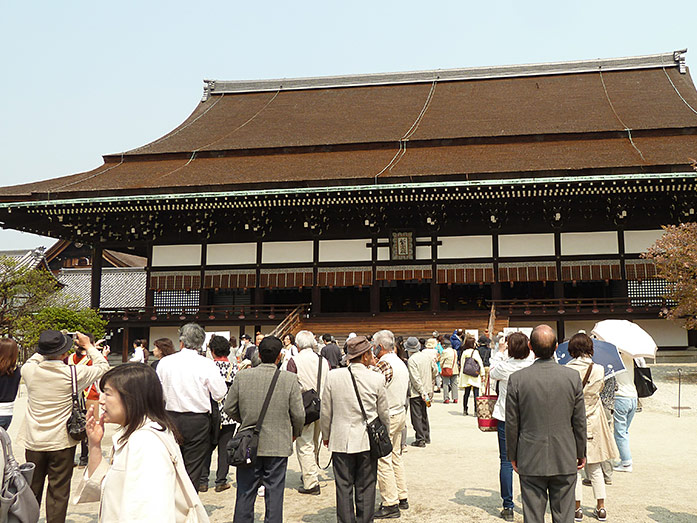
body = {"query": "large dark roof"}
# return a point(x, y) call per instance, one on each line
point(635, 114)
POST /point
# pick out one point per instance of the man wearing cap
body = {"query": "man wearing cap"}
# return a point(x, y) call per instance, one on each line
point(49, 404)
point(422, 372)
point(283, 423)
point(456, 341)
point(344, 430)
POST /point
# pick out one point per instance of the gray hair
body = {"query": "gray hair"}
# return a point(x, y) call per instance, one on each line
point(305, 340)
point(384, 338)
point(192, 336)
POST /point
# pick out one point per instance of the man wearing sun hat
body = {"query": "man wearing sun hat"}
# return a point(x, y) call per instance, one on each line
point(49, 403)
point(344, 430)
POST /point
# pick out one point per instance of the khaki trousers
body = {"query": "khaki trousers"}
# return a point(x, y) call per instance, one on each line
point(392, 480)
point(307, 448)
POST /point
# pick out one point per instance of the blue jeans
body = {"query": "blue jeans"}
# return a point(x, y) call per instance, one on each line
point(624, 413)
point(506, 470)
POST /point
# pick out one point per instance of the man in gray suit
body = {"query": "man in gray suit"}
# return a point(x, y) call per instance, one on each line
point(283, 423)
point(546, 431)
point(344, 431)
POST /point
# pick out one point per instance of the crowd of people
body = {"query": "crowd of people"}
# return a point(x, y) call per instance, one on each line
point(560, 427)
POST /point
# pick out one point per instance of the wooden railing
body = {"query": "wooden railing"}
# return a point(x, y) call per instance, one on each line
point(574, 306)
point(292, 320)
point(235, 314)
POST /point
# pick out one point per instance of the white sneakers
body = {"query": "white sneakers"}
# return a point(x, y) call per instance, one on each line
point(622, 467)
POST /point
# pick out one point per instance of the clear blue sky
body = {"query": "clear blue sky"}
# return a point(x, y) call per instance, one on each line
point(81, 79)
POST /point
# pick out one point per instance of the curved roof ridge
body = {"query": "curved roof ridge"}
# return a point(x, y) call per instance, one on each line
point(669, 59)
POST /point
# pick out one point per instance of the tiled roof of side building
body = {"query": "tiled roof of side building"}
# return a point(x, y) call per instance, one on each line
point(121, 287)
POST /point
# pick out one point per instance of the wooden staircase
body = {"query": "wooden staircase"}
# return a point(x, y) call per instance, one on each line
point(419, 324)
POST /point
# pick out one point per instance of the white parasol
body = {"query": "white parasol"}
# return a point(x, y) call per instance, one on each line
point(628, 337)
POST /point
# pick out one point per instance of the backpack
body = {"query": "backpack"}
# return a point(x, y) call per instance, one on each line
point(471, 366)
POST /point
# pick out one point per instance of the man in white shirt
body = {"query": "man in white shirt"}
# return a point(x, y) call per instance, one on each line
point(306, 365)
point(392, 480)
point(189, 381)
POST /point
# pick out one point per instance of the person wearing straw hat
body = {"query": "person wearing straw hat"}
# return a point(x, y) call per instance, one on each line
point(344, 430)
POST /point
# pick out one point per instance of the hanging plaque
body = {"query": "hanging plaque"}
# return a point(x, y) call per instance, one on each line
point(402, 245)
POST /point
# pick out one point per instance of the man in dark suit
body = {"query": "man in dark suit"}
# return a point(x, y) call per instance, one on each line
point(283, 423)
point(546, 431)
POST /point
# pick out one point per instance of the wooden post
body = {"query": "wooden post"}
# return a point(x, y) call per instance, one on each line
point(125, 345)
point(96, 283)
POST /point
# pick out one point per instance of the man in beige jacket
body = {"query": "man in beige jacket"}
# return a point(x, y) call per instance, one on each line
point(49, 403)
point(344, 430)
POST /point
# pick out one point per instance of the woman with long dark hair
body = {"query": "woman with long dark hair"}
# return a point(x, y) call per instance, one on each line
point(9, 380)
point(145, 452)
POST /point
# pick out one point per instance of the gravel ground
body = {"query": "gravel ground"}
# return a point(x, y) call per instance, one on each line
point(456, 477)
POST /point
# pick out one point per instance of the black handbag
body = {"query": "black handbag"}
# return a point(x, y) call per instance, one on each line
point(77, 420)
point(311, 400)
point(378, 435)
point(17, 501)
point(242, 447)
point(643, 382)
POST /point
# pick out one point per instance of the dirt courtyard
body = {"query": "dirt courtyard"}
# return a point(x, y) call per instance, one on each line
point(456, 477)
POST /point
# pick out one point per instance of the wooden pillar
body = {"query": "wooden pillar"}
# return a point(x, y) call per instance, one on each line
point(149, 292)
point(125, 344)
point(623, 259)
point(374, 287)
point(316, 292)
point(258, 296)
point(496, 286)
point(559, 283)
point(435, 289)
point(96, 288)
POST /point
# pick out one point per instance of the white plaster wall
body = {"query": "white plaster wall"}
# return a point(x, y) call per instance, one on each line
point(532, 324)
point(464, 247)
point(639, 241)
point(383, 253)
point(665, 333)
point(526, 244)
point(423, 252)
point(345, 251)
point(231, 253)
point(163, 332)
point(176, 255)
point(572, 327)
point(286, 252)
point(604, 242)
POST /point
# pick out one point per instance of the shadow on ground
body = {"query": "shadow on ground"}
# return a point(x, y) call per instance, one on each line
point(326, 515)
point(483, 499)
point(662, 514)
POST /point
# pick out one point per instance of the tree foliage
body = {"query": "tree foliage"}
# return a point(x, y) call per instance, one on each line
point(23, 292)
point(59, 318)
point(675, 256)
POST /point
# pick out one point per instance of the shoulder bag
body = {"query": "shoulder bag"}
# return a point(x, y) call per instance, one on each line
point(187, 503)
point(643, 382)
point(311, 399)
point(17, 501)
point(242, 448)
point(471, 366)
point(378, 435)
point(77, 420)
point(485, 410)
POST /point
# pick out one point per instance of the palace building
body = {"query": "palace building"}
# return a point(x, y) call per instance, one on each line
point(416, 198)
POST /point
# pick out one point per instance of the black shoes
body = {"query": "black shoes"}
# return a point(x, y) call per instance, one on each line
point(507, 514)
point(314, 491)
point(385, 512)
point(403, 504)
point(418, 443)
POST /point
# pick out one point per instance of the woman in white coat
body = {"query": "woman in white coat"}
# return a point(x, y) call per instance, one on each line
point(145, 452)
point(468, 380)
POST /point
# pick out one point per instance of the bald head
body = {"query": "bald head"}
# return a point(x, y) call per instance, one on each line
point(543, 341)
